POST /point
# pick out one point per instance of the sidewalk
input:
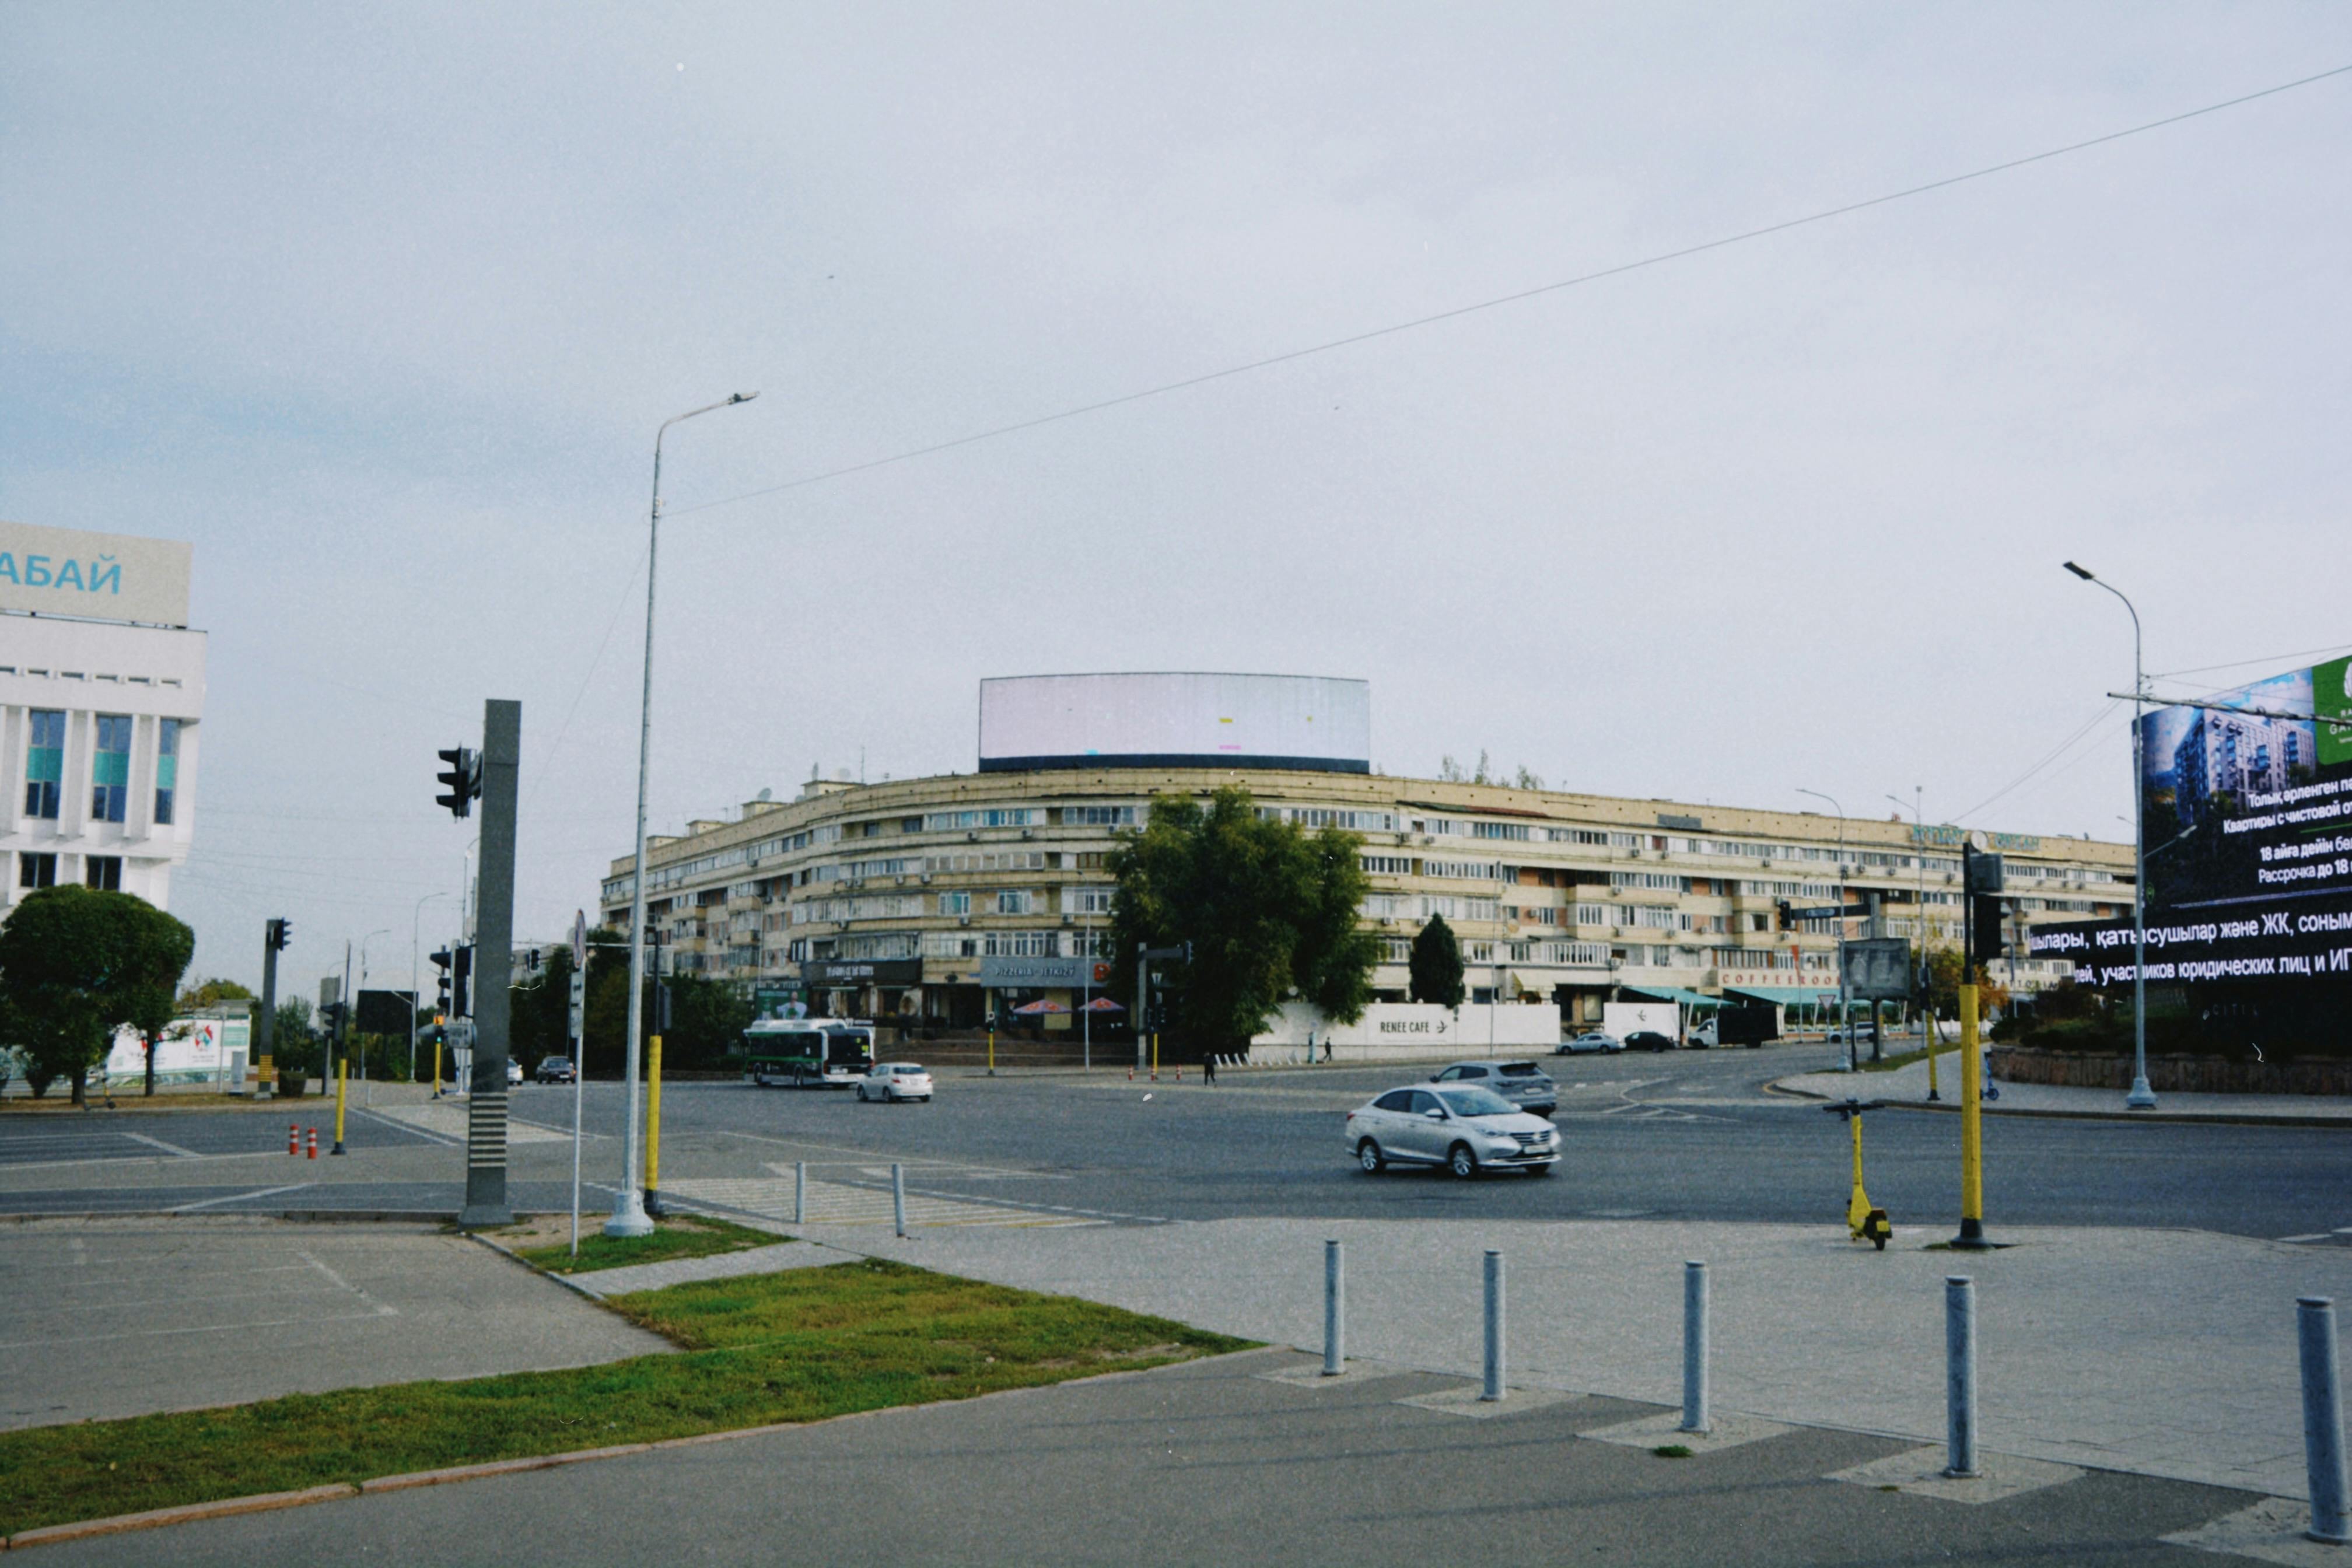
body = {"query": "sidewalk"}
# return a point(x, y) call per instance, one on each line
point(2168, 1354)
point(1908, 1086)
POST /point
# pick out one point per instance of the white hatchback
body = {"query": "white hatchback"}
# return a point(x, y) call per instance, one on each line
point(895, 1081)
point(1460, 1126)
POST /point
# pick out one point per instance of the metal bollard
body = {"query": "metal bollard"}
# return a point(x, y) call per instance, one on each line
point(1960, 1373)
point(1335, 1309)
point(1492, 1389)
point(2323, 1418)
point(800, 1191)
point(1694, 1348)
point(899, 1197)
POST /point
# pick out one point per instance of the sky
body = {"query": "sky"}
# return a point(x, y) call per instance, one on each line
point(381, 308)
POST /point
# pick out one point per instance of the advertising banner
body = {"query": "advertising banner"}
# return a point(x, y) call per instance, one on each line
point(94, 576)
point(1025, 974)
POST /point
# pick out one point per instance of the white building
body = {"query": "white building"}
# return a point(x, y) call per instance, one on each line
point(102, 693)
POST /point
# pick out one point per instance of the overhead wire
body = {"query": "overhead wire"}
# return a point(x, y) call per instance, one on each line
point(1659, 259)
point(2059, 750)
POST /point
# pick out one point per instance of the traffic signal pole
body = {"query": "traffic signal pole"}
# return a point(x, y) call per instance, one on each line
point(486, 1112)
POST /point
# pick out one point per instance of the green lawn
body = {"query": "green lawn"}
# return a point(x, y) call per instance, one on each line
point(796, 1346)
point(676, 1237)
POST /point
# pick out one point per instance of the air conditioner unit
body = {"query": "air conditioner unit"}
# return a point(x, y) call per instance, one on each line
point(1069, 920)
point(927, 878)
point(1026, 834)
point(971, 838)
point(964, 919)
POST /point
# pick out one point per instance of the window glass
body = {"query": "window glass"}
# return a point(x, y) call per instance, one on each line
point(1517, 1070)
point(1423, 1101)
point(167, 769)
point(1470, 1101)
point(45, 766)
point(36, 870)
point(104, 872)
point(1395, 1099)
point(109, 767)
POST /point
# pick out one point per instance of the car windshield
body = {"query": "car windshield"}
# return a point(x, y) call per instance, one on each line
point(1476, 1102)
point(1517, 1070)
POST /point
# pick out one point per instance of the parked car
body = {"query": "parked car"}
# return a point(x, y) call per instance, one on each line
point(556, 1069)
point(1648, 1040)
point(514, 1071)
point(1524, 1084)
point(895, 1081)
point(1460, 1126)
point(1592, 1041)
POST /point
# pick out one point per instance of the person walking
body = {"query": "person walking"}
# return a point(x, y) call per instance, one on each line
point(1209, 1067)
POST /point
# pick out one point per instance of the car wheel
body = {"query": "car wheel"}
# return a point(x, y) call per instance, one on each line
point(1369, 1155)
point(1461, 1162)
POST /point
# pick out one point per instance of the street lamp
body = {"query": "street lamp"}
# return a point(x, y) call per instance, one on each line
point(2141, 1097)
point(414, 995)
point(629, 1210)
point(1845, 1002)
point(384, 930)
point(1926, 1020)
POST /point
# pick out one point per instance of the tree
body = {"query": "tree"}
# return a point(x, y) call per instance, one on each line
point(1268, 913)
point(1436, 965)
point(212, 993)
point(79, 964)
point(1944, 984)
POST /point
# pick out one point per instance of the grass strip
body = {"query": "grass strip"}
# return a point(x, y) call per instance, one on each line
point(675, 1238)
point(758, 1351)
point(1904, 1059)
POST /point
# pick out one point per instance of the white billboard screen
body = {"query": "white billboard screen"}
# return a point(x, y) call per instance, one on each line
point(1175, 721)
point(101, 576)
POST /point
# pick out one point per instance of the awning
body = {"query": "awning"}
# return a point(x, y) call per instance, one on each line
point(1788, 995)
point(1675, 994)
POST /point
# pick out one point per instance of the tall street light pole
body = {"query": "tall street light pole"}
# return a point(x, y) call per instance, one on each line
point(1846, 1003)
point(363, 980)
point(2141, 1097)
point(629, 1216)
point(1919, 859)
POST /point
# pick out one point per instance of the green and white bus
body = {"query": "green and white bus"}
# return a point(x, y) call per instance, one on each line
point(808, 1053)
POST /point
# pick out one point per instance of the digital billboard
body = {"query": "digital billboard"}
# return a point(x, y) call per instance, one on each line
point(2247, 802)
point(1182, 719)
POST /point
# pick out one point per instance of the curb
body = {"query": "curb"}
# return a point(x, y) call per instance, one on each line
point(155, 1518)
point(2179, 1118)
point(511, 1256)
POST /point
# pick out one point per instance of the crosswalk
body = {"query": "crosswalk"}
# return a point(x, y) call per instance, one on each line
point(863, 1200)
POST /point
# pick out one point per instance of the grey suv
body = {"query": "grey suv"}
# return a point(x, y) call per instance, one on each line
point(1526, 1086)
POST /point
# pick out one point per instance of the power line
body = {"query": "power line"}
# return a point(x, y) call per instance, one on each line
point(2057, 752)
point(1660, 258)
point(2242, 663)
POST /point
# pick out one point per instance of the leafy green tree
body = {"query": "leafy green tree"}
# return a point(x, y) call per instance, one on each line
point(213, 993)
point(706, 1019)
point(1436, 965)
point(79, 963)
point(1268, 913)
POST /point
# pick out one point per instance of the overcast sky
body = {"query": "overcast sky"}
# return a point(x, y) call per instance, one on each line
point(381, 306)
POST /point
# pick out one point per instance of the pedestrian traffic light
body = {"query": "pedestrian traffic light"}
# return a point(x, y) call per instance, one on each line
point(278, 933)
point(441, 961)
point(463, 973)
point(461, 781)
point(1984, 928)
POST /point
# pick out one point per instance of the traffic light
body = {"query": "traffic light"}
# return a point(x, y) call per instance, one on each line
point(461, 781)
point(1984, 928)
point(441, 961)
point(1787, 912)
point(278, 933)
point(463, 982)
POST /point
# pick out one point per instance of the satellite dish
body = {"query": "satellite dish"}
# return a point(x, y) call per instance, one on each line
point(767, 794)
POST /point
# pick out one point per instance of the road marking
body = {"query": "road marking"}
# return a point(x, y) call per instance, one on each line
point(2323, 1235)
point(847, 1203)
point(243, 1328)
point(159, 1144)
point(240, 1197)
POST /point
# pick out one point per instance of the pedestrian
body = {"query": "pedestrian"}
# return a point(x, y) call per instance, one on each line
point(1209, 1067)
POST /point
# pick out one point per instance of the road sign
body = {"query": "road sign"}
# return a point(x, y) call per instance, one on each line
point(1830, 912)
point(579, 941)
point(579, 1005)
point(1183, 950)
point(1877, 969)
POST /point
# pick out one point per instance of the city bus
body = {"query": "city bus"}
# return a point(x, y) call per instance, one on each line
point(808, 1053)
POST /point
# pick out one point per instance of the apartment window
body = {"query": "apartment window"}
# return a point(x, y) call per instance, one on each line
point(1499, 830)
point(109, 768)
point(1100, 815)
point(36, 870)
point(1086, 900)
point(955, 903)
point(104, 872)
point(45, 767)
point(1016, 901)
point(1386, 865)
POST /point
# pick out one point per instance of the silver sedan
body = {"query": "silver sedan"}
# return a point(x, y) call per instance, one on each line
point(1463, 1128)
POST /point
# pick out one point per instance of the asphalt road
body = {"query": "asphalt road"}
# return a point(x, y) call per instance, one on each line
point(1686, 1136)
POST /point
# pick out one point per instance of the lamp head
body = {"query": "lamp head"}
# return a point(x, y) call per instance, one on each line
point(2079, 572)
point(746, 396)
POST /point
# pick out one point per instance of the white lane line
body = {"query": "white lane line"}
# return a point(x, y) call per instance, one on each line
point(239, 1328)
point(2323, 1235)
point(240, 1197)
point(159, 1144)
point(383, 1309)
point(409, 1126)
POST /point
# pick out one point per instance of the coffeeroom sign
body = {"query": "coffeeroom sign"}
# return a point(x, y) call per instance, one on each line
point(94, 576)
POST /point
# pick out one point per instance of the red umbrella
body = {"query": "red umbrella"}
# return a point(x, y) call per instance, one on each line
point(1038, 1009)
point(1102, 1004)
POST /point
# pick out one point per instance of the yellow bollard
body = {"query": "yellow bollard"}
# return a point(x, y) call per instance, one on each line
point(992, 1045)
point(1857, 1209)
point(1971, 1125)
point(436, 1067)
point(653, 1125)
point(342, 1079)
point(1155, 1056)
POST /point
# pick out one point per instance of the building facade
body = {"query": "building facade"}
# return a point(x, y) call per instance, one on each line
point(890, 899)
point(100, 717)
